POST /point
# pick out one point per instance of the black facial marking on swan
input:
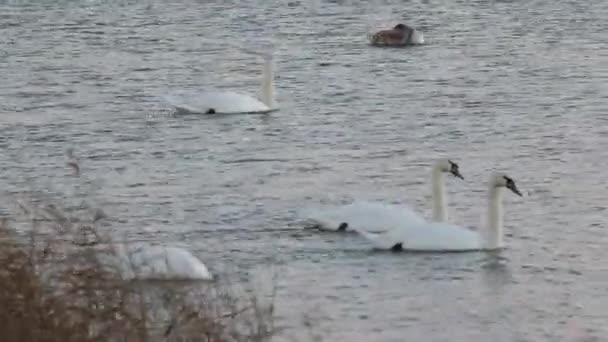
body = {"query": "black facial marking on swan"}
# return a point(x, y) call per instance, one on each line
point(210, 111)
point(342, 227)
point(454, 169)
point(398, 247)
point(510, 184)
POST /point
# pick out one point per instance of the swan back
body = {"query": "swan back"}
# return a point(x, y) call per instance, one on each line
point(161, 262)
point(219, 102)
point(434, 236)
point(363, 216)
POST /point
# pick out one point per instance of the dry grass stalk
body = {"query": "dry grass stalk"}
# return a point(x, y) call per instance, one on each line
point(55, 286)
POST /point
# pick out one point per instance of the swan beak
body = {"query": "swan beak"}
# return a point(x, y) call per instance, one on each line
point(515, 190)
point(456, 173)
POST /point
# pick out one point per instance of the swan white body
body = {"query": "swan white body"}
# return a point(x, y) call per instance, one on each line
point(220, 102)
point(376, 217)
point(444, 237)
point(161, 262)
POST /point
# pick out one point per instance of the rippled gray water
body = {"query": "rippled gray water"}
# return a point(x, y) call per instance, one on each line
point(517, 86)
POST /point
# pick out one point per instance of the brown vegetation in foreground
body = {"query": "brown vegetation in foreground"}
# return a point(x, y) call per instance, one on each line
point(55, 287)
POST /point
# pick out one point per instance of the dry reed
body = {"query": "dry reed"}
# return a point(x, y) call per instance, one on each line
point(55, 286)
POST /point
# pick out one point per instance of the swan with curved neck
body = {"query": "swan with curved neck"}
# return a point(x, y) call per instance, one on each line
point(228, 102)
point(160, 262)
point(400, 35)
point(444, 237)
point(379, 217)
point(441, 167)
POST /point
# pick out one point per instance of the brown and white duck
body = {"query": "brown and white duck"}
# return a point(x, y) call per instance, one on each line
point(400, 35)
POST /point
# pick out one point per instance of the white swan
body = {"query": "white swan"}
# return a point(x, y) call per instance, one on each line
point(444, 237)
point(231, 102)
point(160, 263)
point(380, 217)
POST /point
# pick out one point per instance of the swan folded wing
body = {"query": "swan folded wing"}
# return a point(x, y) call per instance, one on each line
point(220, 102)
point(380, 217)
point(382, 240)
point(157, 262)
point(429, 237)
point(437, 236)
point(362, 215)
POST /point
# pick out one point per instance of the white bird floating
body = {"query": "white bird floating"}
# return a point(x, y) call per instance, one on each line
point(376, 217)
point(228, 102)
point(445, 237)
point(160, 263)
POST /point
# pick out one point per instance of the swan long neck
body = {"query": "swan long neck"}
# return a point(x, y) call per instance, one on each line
point(440, 211)
point(268, 83)
point(495, 218)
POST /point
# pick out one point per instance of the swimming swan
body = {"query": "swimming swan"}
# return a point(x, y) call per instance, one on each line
point(380, 217)
point(232, 102)
point(444, 237)
point(400, 35)
point(160, 263)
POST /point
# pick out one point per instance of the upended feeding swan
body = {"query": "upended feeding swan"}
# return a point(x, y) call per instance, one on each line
point(400, 35)
point(228, 102)
point(160, 263)
point(444, 237)
point(381, 217)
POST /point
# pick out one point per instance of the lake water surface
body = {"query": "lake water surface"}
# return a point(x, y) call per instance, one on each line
point(516, 86)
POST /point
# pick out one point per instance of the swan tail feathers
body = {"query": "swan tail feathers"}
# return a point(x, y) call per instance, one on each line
point(379, 240)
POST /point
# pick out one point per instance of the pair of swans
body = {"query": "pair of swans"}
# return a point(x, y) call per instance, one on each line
point(228, 102)
point(380, 217)
point(388, 227)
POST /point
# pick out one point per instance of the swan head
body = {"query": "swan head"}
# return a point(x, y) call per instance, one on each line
point(503, 180)
point(446, 165)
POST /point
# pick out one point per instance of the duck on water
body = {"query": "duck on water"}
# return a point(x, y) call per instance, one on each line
point(400, 35)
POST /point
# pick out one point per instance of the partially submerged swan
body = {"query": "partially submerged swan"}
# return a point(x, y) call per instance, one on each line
point(400, 35)
point(228, 102)
point(445, 237)
point(380, 217)
point(160, 263)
